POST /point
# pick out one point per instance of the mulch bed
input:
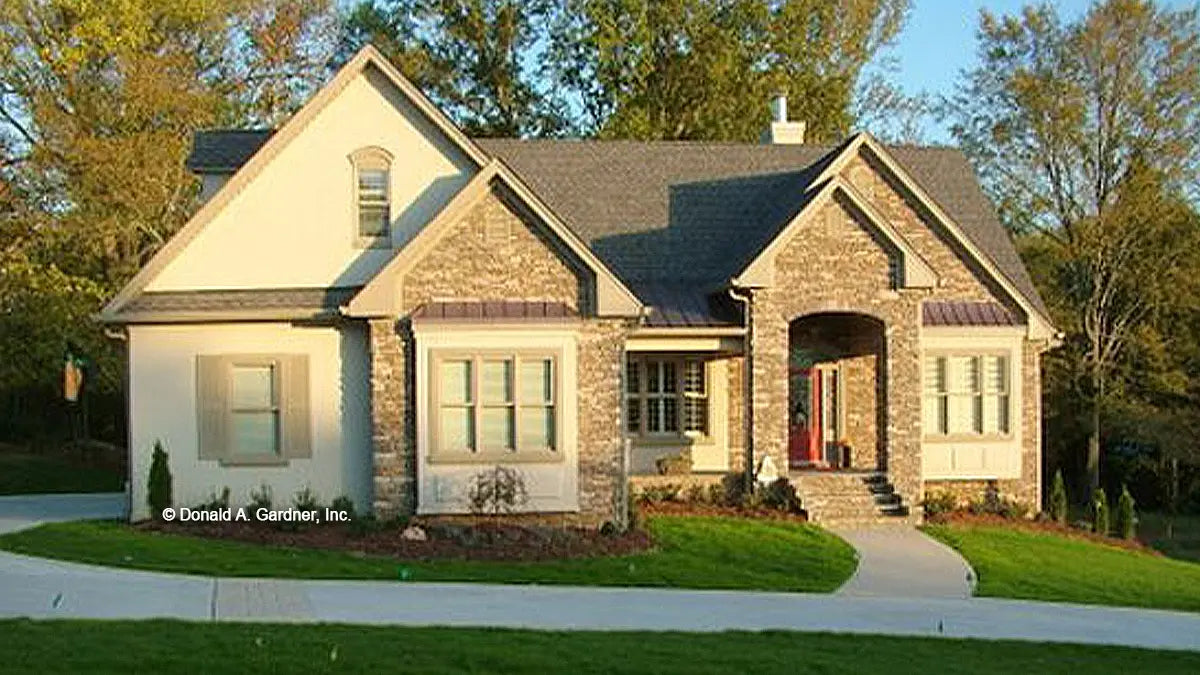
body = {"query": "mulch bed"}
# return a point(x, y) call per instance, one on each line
point(1041, 527)
point(445, 541)
point(678, 508)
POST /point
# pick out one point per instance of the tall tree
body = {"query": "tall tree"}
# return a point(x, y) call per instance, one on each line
point(1085, 135)
point(478, 59)
point(704, 69)
point(98, 103)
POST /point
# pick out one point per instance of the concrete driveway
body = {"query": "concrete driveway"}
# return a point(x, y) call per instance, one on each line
point(18, 512)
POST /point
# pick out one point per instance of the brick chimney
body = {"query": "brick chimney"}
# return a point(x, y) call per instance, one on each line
point(781, 131)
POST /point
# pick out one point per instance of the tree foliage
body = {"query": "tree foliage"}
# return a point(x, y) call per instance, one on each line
point(699, 69)
point(1085, 136)
point(476, 58)
point(98, 104)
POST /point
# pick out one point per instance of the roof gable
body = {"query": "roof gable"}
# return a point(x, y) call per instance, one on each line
point(270, 146)
point(915, 272)
point(381, 296)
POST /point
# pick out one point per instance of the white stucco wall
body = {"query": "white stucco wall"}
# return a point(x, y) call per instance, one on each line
point(984, 458)
point(294, 226)
point(162, 391)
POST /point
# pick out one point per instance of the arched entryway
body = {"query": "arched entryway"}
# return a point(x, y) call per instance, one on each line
point(836, 392)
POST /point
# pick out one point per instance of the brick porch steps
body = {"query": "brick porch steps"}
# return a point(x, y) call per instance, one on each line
point(850, 498)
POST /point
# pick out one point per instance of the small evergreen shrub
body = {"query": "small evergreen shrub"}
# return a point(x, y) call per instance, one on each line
point(654, 494)
point(733, 487)
point(1100, 524)
point(216, 501)
point(306, 500)
point(261, 498)
point(940, 503)
point(158, 493)
point(780, 495)
point(1126, 516)
point(695, 494)
point(345, 505)
point(1058, 499)
point(716, 494)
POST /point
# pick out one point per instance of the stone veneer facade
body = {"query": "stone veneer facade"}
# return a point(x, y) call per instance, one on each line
point(496, 252)
point(838, 264)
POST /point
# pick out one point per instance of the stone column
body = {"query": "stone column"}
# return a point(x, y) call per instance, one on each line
point(903, 401)
point(392, 421)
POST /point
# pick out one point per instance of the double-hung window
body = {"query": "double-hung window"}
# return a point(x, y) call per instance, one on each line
point(491, 406)
point(967, 395)
point(372, 181)
point(666, 397)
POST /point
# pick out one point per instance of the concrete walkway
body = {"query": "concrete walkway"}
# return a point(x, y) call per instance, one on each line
point(902, 562)
point(48, 589)
point(32, 587)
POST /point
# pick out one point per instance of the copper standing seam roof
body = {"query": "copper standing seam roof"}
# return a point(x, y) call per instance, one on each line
point(494, 311)
point(965, 313)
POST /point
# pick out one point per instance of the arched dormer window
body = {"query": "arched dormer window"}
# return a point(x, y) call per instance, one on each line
point(372, 196)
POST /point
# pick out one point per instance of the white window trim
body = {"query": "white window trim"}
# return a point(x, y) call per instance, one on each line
point(640, 399)
point(372, 157)
point(479, 455)
point(936, 436)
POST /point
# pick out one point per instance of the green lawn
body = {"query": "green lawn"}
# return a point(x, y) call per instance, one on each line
point(170, 647)
point(1016, 563)
point(1184, 542)
point(25, 473)
point(692, 552)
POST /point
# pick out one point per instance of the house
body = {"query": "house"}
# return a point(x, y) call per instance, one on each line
point(370, 303)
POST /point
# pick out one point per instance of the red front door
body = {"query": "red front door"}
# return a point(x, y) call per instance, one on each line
point(815, 415)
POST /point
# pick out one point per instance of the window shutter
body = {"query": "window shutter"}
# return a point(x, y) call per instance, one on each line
point(297, 437)
point(212, 405)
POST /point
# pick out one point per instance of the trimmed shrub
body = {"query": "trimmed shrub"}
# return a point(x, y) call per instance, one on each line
point(695, 494)
point(1100, 524)
point(716, 494)
point(158, 493)
point(1126, 519)
point(654, 494)
point(1058, 499)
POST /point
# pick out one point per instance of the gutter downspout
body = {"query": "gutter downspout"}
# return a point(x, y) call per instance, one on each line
point(747, 301)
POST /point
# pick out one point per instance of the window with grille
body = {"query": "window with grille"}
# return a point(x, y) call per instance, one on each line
point(966, 395)
point(666, 397)
point(495, 404)
point(372, 180)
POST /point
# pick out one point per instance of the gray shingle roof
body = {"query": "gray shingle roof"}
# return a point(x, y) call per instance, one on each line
point(289, 302)
point(225, 150)
point(689, 215)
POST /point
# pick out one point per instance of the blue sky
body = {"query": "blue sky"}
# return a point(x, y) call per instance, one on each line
point(939, 42)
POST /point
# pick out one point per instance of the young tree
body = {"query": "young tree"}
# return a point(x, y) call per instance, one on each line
point(1084, 134)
